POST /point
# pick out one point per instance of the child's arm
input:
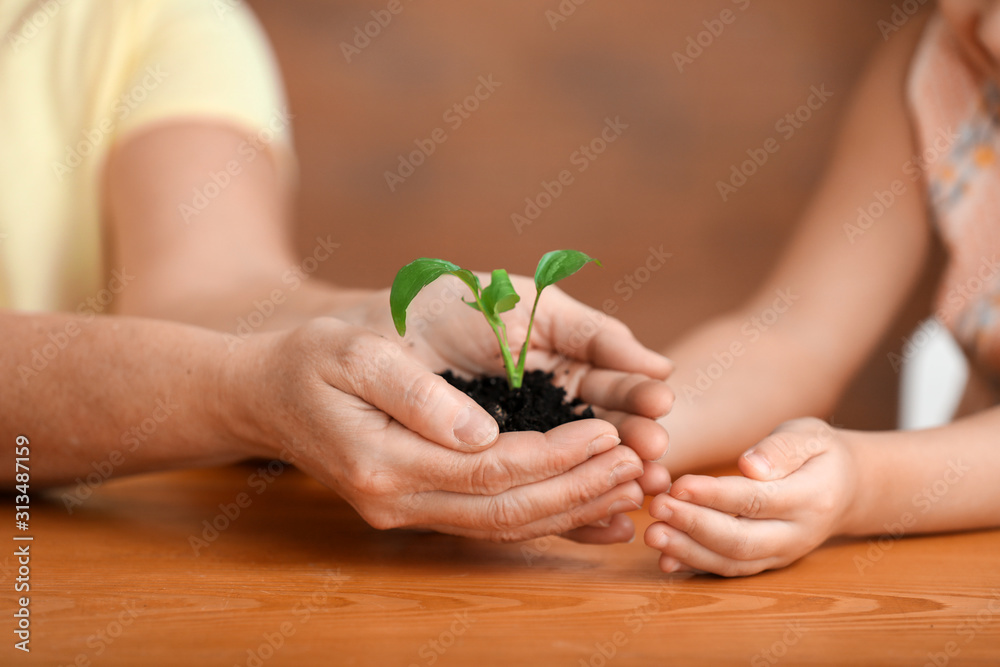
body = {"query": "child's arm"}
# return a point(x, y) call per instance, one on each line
point(808, 482)
point(838, 285)
point(935, 480)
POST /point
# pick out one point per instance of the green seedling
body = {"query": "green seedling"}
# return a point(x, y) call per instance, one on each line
point(497, 297)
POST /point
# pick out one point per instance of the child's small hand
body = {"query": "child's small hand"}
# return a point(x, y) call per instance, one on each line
point(799, 483)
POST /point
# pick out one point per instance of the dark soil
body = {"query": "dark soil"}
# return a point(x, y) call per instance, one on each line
point(537, 406)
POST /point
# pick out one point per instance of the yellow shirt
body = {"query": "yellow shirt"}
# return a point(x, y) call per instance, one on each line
point(76, 76)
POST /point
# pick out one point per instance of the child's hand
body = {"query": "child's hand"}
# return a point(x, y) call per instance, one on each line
point(799, 483)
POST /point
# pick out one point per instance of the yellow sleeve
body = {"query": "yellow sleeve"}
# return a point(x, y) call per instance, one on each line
point(207, 59)
point(76, 77)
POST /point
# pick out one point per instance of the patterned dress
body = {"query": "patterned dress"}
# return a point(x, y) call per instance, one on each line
point(957, 114)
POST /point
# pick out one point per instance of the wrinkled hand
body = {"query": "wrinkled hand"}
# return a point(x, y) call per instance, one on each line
point(797, 490)
point(593, 356)
point(323, 394)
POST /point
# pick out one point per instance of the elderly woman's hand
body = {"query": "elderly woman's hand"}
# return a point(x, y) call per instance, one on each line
point(408, 450)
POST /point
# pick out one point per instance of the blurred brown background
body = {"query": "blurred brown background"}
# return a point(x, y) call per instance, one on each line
point(655, 185)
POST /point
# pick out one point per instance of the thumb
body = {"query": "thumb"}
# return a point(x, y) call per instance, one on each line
point(786, 449)
point(378, 372)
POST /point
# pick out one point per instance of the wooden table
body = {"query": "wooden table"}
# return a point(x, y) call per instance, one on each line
point(296, 578)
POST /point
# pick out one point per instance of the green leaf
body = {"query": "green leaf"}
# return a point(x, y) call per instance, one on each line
point(559, 264)
point(552, 267)
point(499, 296)
point(417, 275)
point(467, 277)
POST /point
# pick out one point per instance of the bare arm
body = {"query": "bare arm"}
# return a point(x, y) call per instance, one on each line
point(211, 262)
point(833, 295)
point(928, 481)
point(92, 390)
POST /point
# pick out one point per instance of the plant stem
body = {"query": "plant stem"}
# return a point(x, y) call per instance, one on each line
point(527, 337)
point(513, 379)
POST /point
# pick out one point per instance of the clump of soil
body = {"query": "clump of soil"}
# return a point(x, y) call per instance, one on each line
point(537, 406)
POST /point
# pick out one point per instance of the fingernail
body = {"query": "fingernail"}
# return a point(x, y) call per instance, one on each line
point(759, 462)
point(623, 505)
point(474, 428)
point(602, 444)
point(664, 513)
point(660, 541)
point(625, 472)
point(603, 523)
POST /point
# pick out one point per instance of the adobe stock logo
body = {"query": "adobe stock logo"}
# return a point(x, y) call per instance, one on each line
point(34, 23)
point(91, 139)
point(562, 12)
point(365, 34)
point(900, 16)
point(752, 330)
point(786, 126)
point(696, 44)
point(580, 159)
point(455, 116)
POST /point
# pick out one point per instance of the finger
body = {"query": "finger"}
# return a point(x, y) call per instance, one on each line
point(648, 438)
point(737, 538)
point(391, 484)
point(505, 516)
point(579, 332)
point(606, 522)
point(677, 546)
point(671, 565)
point(626, 392)
point(786, 450)
point(615, 347)
point(655, 478)
point(517, 459)
point(730, 494)
point(376, 370)
point(620, 528)
point(625, 497)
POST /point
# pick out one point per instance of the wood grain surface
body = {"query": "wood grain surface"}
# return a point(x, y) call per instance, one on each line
point(298, 579)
